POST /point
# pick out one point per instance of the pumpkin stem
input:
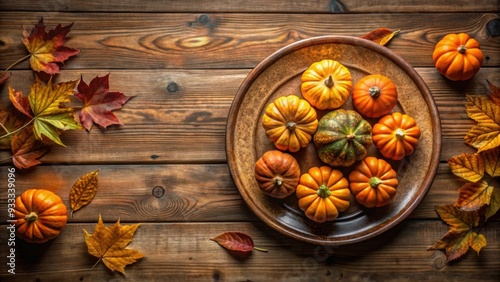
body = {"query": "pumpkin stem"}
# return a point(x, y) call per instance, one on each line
point(323, 191)
point(278, 181)
point(461, 49)
point(374, 182)
point(291, 125)
point(31, 217)
point(400, 133)
point(374, 91)
point(329, 82)
point(350, 136)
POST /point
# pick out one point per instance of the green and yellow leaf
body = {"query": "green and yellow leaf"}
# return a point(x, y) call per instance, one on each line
point(491, 209)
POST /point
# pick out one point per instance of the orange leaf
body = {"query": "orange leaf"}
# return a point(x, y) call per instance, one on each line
point(109, 245)
point(83, 191)
point(21, 103)
point(468, 166)
point(47, 48)
point(11, 120)
point(26, 149)
point(494, 93)
point(99, 102)
point(380, 35)
point(486, 134)
point(472, 196)
point(491, 159)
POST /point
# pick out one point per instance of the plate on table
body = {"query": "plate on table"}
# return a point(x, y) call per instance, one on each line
point(279, 75)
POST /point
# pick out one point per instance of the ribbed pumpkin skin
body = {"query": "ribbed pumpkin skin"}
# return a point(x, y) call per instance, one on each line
point(290, 122)
point(51, 211)
point(343, 137)
point(396, 135)
point(323, 193)
point(457, 56)
point(374, 95)
point(277, 173)
point(323, 92)
point(372, 171)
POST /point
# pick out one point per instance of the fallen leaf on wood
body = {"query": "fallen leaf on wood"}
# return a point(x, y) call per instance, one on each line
point(47, 48)
point(99, 102)
point(26, 149)
point(83, 191)
point(486, 134)
point(468, 166)
point(494, 93)
point(109, 245)
point(474, 195)
point(236, 241)
point(381, 35)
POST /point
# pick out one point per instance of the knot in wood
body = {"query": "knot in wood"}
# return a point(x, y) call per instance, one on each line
point(172, 87)
point(158, 191)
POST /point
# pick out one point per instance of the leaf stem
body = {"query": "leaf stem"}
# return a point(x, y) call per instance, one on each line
point(4, 128)
point(95, 264)
point(7, 159)
point(260, 249)
point(15, 63)
point(17, 130)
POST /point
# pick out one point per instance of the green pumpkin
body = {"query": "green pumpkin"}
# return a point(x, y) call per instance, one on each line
point(343, 137)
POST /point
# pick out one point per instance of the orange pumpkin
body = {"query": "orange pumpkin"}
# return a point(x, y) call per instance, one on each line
point(374, 95)
point(290, 122)
point(323, 193)
point(326, 84)
point(396, 135)
point(373, 182)
point(457, 56)
point(41, 215)
point(277, 173)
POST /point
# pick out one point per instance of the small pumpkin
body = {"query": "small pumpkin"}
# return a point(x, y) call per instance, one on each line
point(323, 193)
point(326, 84)
point(343, 137)
point(374, 95)
point(373, 182)
point(457, 56)
point(396, 135)
point(277, 173)
point(290, 122)
point(40, 215)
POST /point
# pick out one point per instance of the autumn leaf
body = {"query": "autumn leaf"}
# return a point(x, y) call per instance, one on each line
point(109, 245)
point(47, 48)
point(10, 121)
point(47, 109)
point(491, 209)
point(236, 241)
point(26, 149)
point(20, 102)
point(460, 235)
point(381, 35)
point(486, 134)
point(4, 77)
point(491, 159)
point(494, 93)
point(472, 196)
point(83, 191)
point(468, 166)
point(99, 102)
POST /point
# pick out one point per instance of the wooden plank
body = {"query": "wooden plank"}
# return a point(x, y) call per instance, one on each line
point(172, 255)
point(287, 6)
point(230, 40)
point(189, 124)
point(176, 192)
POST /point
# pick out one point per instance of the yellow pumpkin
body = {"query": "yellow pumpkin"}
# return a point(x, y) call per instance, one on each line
point(323, 193)
point(326, 84)
point(290, 122)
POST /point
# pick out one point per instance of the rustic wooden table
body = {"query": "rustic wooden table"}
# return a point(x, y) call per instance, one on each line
point(184, 61)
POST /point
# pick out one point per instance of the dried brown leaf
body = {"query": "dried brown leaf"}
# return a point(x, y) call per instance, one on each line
point(83, 191)
point(381, 35)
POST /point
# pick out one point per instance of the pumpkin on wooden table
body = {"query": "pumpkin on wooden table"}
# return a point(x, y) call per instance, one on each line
point(323, 193)
point(373, 182)
point(396, 135)
point(374, 95)
point(457, 56)
point(290, 122)
point(326, 84)
point(40, 215)
point(277, 173)
point(343, 137)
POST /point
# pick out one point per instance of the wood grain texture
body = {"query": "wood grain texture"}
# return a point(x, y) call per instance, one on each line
point(188, 125)
point(231, 40)
point(178, 193)
point(287, 6)
point(183, 252)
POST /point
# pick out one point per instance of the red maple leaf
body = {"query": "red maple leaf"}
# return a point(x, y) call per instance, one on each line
point(99, 102)
point(47, 48)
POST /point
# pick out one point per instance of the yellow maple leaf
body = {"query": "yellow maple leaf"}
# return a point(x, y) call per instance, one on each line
point(491, 159)
point(486, 134)
point(109, 245)
point(468, 166)
point(472, 196)
point(83, 191)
